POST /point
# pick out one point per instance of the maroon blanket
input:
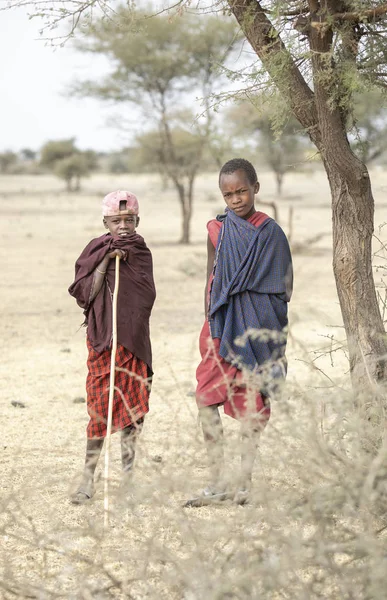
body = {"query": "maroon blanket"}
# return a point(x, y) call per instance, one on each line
point(136, 295)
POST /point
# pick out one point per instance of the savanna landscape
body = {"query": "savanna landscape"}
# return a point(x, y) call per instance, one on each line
point(315, 524)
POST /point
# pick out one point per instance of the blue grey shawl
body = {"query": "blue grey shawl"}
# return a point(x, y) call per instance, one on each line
point(251, 287)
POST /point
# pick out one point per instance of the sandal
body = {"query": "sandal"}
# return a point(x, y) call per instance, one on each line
point(83, 494)
point(207, 497)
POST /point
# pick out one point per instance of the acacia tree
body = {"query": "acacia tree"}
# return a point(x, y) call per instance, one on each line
point(159, 65)
point(7, 159)
point(68, 162)
point(316, 53)
point(182, 169)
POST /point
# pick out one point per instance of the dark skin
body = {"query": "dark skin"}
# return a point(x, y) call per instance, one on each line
point(94, 446)
point(120, 226)
point(239, 195)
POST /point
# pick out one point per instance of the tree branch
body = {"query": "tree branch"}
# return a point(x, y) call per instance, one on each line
point(370, 15)
point(268, 45)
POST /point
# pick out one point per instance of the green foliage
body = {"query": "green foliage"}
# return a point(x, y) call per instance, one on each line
point(67, 162)
point(56, 150)
point(7, 159)
point(180, 164)
point(71, 169)
point(277, 135)
point(118, 163)
point(90, 159)
point(27, 154)
point(23, 162)
point(161, 65)
point(316, 56)
point(156, 56)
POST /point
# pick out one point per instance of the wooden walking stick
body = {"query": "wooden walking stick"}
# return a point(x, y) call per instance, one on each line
point(111, 394)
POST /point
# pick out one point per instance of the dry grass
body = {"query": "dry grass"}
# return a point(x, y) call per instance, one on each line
point(315, 525)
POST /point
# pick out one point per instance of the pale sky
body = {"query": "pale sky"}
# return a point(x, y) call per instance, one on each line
point(33, 80)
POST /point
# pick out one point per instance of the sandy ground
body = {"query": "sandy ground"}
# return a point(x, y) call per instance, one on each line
point(45, 541)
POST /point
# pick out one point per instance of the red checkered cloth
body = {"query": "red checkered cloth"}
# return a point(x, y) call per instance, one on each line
point(131, 395)
point(220, 383)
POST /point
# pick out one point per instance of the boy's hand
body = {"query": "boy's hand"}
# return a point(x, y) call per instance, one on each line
point(121, 253)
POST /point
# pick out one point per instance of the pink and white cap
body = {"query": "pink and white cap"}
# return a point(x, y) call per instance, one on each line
point(120, 202)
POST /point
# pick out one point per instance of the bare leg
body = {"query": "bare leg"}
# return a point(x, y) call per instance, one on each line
point(250, 435)
point(213, 438)
point(129, 437)
point(86, 488)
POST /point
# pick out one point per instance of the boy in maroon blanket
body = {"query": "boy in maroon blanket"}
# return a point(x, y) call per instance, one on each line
point(93, 289)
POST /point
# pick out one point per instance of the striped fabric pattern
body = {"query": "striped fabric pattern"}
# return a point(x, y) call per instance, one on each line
point(131, 395)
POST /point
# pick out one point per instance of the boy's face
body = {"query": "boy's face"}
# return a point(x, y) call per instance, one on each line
point(238, 193)
point(121, 225)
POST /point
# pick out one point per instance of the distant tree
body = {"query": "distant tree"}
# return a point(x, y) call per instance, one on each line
point(282, 143)
point(91, 159)
point(71, 169)
point(7, 159)
point(64, 159)
point(181, 169)
point(27, 154)
point(118, 162)
point(55, 150)
point(161, 65)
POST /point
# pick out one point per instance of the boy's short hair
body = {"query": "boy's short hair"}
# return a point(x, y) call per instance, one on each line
point(236, 164)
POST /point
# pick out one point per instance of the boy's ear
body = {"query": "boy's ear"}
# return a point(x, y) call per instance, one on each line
point(104, 222)
point(256, 188)
point(137, 220)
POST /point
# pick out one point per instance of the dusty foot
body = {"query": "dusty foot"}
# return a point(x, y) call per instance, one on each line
point(84, 493)
point(209, 495)
point(125, 488)
point(241, 496)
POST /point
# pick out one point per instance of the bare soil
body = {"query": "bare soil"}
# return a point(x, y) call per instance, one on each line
point(154, 548)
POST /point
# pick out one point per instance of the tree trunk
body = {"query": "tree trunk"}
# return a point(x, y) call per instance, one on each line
point(186, 213)
point(352, 220)
point(186, 224)
point(352, 201)
point(353, 226)
point(279, 179)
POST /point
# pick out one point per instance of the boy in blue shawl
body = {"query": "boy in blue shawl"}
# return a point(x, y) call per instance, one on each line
point(243, 340)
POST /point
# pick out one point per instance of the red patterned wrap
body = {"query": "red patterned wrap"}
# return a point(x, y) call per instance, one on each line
point(219, 382)
point(131, 395)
